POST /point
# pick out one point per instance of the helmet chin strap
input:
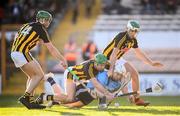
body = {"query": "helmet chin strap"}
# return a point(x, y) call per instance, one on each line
point(134, 35)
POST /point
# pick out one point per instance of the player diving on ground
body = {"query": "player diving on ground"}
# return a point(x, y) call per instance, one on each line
point(85, 71)
point(85, 95)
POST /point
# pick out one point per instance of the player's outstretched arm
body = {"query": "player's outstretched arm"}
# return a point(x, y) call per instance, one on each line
point(101, 89)
point(142, 56)
point(55, 53)
point(113, 59)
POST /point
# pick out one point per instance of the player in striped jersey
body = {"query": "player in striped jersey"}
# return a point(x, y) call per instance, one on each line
point(85, 71)
point(27, 38)
point(85, 95)
point(120, 45)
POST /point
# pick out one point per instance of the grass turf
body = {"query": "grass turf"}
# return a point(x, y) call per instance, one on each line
point(165, 105)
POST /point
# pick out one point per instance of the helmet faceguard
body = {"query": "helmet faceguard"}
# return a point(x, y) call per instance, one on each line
point(133, 25)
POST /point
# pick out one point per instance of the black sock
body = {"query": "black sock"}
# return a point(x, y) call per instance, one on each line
point(49, 97)
point(51, 81)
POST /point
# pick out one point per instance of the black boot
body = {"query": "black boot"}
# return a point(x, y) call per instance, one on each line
point(30, 105)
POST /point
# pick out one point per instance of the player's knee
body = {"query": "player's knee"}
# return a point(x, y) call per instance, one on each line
point(41, 76)
point(133, 72)
point(37, 75)
point(131, 69)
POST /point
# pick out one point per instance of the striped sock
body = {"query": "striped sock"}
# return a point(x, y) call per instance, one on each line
point(26, 94)
point(49, 97)
point(31, 99)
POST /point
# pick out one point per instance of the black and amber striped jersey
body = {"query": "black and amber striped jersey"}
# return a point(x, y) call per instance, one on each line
point(84, 71)
point(28, 37)
point(123, 42)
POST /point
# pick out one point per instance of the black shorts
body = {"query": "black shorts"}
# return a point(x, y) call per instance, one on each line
point(83, 95)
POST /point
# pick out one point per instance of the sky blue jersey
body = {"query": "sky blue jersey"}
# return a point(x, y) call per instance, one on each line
point(103, 79)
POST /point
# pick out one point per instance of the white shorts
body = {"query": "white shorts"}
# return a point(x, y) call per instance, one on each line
point(21, 59)
point(66, 74)
point(63, 85)
point(119, 66)
point(121, 61)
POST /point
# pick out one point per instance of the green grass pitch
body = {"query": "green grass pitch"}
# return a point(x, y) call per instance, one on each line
point(160, 106)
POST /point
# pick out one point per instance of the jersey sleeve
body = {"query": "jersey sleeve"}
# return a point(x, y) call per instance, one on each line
point(90, 72)
point(43, 34)
point(116, 40)
point(135, 43)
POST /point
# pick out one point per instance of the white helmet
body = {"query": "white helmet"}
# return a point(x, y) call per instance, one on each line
point(133, 25)
point(120, 68)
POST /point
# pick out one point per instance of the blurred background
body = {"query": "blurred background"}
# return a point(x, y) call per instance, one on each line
point(81, 28)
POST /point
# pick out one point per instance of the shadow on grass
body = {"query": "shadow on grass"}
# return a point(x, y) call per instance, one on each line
point(143, 110)
point(9, 101)
point(65, 113)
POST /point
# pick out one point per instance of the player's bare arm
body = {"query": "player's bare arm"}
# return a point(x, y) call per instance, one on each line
point(113, 59)
point(55, 53)
point(101, 89)
point(141, 55)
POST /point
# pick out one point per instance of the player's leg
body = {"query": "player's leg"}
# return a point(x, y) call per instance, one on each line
point(68, 96)
point(31, 98)
point(70, 88)
point(135, 84)
point(134, 76)
point(76, 104)
point(63, 93)
point(83, 97)
point(34, 73)
point(57, 90)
